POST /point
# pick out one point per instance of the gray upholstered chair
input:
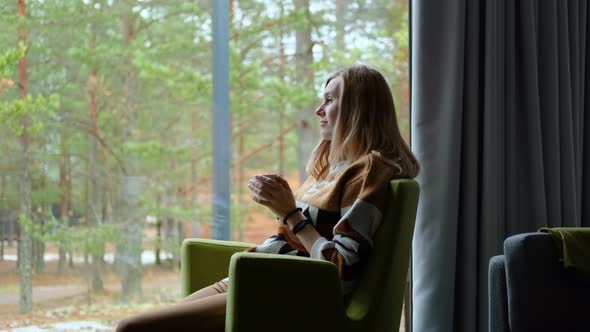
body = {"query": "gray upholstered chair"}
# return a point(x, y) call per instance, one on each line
point(530, 291)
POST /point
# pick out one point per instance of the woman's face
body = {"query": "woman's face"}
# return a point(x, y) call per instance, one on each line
point(328, 110)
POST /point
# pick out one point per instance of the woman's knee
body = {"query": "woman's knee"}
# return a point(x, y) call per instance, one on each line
point(128, 325)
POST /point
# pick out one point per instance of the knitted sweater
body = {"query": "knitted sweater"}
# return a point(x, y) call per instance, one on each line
point(346, 209)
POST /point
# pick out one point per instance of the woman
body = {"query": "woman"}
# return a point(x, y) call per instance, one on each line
point(335, 213)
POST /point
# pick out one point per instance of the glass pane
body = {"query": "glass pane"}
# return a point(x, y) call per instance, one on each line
point(107, 162)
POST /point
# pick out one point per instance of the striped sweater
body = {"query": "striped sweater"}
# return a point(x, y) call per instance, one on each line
point(346, 209)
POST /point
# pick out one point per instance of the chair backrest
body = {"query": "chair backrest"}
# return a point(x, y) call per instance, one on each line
point(376, 303)
point(542, 295)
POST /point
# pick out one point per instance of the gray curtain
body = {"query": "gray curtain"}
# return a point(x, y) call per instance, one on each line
point(500, 124)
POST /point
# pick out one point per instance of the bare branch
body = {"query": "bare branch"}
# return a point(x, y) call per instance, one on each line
point(257, 150)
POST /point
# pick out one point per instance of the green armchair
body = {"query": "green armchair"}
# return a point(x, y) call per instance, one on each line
point(286, 293)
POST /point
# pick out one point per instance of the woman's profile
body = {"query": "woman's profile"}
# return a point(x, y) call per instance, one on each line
point(335, 213)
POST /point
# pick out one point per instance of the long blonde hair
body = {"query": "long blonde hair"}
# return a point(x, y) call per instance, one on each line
point(366, 122)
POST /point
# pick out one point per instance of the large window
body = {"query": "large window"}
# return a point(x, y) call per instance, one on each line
point(106, 136)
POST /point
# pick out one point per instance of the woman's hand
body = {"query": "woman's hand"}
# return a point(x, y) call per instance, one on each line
point(273, 192)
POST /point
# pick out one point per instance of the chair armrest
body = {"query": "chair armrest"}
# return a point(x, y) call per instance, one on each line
point(204, 262)
point(286, 293)
point(498, 296)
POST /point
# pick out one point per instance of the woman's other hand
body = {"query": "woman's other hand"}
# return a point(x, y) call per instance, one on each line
point(273, 192)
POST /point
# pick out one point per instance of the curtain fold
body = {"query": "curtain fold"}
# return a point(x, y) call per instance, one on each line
point(500, 91)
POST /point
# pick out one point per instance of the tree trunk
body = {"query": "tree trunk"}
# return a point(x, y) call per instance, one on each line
point(237, 218)
point(172, 228)
point(303, 61)
point(403, 107)
point(131, 257)
point(193, 182)
point(4, 222)
point(282, 61)
point(25, 243)
point(240, 184)
point(107, 187)
point(158, 240)
point(341, 10)
point(94, 209)
point(39, 249)
point(179, 237)
point(2, 236)
point(65, 185)
point(39, 218)
point(39, 245)
point(13, 230)
point(108, 194)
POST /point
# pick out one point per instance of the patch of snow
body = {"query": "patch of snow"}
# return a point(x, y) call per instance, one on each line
point(148, 257)
point(27, 329)
point(67, 326)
